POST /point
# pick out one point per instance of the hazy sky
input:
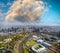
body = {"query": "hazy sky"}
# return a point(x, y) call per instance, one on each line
point(51, 17)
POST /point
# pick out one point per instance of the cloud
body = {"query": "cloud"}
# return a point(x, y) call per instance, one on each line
point(2, 15)
point(25, 10)
point(9, 3)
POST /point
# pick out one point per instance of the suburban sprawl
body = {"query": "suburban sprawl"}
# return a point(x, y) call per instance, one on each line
point(29, 39)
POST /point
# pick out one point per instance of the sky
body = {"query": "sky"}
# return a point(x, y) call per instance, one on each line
point(50, 17)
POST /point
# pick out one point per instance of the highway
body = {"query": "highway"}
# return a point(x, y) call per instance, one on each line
point(18, 45)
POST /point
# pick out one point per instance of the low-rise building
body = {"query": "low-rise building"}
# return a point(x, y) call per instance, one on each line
point(8, 40)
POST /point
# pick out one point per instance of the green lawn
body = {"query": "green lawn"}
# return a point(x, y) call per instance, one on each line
point(37, 47)
point(2, 45)
point(30, 43)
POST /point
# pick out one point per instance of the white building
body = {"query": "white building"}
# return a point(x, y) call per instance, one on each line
point(40, 41)
point(8, 40)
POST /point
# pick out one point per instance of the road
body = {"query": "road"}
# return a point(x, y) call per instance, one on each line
point(24, 41)
point(18, 45)
point(53, 48)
